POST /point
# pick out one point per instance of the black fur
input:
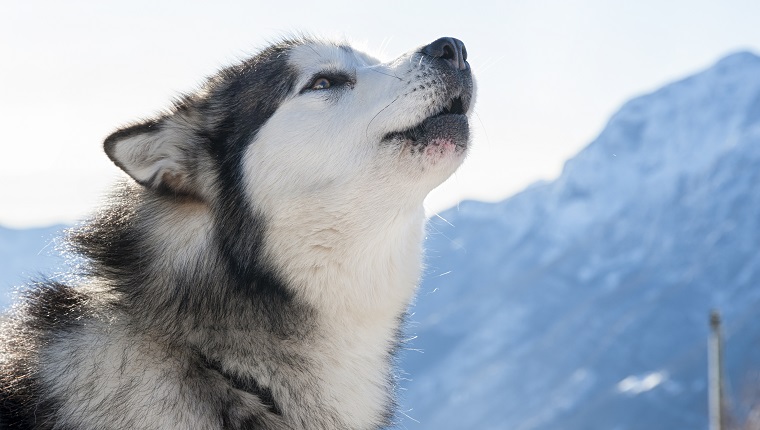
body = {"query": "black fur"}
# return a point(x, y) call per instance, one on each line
point(257, 87)
point(117, 247)
point(248, 385)
point(49, 309)
point(214, 321)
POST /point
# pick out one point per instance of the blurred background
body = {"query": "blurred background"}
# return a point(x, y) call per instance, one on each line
point(608, 204)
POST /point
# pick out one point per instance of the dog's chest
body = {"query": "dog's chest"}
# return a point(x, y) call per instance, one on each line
point(355, 369)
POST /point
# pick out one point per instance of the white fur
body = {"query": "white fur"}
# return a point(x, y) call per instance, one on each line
point(343, 218)
point(127, 373)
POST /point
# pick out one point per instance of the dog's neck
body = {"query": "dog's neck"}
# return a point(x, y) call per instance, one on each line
point(359, 273)
point(348, 261)
point(355, 271)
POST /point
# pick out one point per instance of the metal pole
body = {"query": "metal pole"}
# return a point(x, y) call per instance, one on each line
point(715, 374)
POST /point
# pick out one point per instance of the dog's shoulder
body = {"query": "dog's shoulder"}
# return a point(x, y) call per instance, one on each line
point(48, 309)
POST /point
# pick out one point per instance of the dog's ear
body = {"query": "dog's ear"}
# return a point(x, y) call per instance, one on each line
point(161, 154)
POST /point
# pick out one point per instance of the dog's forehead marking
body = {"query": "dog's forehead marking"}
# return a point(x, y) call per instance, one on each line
point(315, 57)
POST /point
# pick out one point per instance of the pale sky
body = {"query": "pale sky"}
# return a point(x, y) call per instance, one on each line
point(550, 73)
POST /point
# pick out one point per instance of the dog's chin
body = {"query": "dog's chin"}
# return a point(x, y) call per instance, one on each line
point(439, 139)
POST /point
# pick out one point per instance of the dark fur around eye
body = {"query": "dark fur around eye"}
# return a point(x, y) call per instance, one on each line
point(335, 80)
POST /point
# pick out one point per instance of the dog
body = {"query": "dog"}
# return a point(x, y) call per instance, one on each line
point(254, 268)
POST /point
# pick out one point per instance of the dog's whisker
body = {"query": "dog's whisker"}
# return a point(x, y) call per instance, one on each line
point(386, 74)
point(483, 126)
point(444, 220)
point(366, 132)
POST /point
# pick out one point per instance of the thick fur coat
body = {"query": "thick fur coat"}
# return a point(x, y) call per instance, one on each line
point(254, 269)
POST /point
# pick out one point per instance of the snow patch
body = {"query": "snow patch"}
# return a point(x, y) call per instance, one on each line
point(634, 385)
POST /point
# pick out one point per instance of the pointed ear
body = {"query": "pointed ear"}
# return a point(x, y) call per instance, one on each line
point(160, 154)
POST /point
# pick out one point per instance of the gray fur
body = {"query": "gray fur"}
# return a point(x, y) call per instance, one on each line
point(185, 315)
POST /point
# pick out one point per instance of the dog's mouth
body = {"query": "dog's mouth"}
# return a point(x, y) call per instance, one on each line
point(455, 107)
point(448, 123)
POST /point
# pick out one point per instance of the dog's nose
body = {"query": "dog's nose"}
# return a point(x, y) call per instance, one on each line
point(449, 49)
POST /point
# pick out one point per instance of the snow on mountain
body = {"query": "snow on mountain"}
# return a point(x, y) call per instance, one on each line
point(582, 303)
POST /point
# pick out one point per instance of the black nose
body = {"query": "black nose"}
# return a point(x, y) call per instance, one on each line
point(449, 49)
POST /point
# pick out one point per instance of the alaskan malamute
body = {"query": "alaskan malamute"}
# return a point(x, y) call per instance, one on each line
point(255, 269)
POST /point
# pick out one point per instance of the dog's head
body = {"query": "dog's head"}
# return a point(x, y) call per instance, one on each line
point(310, 118)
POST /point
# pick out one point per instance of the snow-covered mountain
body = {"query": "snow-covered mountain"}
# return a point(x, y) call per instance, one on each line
point(582, 303)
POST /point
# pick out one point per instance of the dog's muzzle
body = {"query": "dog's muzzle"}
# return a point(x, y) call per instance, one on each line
point(446, 120)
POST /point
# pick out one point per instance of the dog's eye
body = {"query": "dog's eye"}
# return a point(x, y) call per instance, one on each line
point(321, 83)
point(328, 80)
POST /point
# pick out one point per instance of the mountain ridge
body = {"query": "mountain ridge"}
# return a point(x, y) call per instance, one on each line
point(576, 267)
